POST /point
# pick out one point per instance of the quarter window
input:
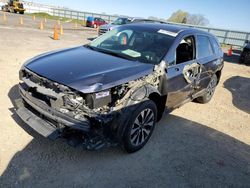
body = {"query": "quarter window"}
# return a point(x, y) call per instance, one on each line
point(215, 45)
point(203, 46)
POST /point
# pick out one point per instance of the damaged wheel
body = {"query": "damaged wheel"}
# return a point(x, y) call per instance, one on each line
point(209, 91)
point(140, 126)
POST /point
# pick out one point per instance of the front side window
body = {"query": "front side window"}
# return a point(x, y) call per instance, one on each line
point(204, 47)
point(185, 50)
point(134, 43)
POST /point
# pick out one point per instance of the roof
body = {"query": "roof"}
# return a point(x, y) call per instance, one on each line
point(168, 27)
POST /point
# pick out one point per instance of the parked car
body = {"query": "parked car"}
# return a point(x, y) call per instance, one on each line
point(245, 55)
point(114, 89)
point(95, 22)
point(121, 21)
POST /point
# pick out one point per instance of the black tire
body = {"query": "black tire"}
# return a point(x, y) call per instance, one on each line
point(209, 91)
point(21, 12)
point(247, 58)
point(139, 130)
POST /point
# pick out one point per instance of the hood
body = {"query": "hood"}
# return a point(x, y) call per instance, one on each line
point(87, 70)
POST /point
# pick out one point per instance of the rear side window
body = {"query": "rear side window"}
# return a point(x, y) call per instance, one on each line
point(215, 45)
point(204, 47)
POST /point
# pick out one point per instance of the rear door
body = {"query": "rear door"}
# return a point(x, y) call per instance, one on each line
point(181, 74)
point(206, 57)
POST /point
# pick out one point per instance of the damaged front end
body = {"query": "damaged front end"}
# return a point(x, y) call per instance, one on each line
point(92, 119)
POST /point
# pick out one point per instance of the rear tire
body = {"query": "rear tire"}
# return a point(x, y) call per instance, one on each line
point(209, 91)
point(140, 126)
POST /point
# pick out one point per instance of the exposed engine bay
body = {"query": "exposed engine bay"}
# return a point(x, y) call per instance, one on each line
point(96, 110)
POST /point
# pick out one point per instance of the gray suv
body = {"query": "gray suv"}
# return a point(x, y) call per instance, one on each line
point(124, 20)
point(114, 89)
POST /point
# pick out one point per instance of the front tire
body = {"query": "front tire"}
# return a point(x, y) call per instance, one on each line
point(140, 126)
point(209, 91)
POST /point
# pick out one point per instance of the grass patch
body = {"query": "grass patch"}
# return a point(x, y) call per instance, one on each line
point(51, 17)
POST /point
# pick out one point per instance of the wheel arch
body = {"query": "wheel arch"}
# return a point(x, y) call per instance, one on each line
point(149, 92)
point(218, 75)
point(160, 102)
point(139, 95)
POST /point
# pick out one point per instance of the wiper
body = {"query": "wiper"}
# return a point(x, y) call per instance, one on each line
point(124, 56)
point(110, 52)
point(90, 47)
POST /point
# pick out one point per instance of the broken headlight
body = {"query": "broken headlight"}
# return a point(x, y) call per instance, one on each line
point(72, 101)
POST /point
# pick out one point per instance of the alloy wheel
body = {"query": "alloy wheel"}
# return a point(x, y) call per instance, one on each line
point(142, 127)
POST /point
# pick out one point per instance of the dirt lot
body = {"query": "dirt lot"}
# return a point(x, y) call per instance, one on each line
point(194, 146)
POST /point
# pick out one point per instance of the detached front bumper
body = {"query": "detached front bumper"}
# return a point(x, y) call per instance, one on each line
point(45, 120)
point(35, 122)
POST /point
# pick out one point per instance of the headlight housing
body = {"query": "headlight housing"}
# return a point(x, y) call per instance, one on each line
point(99, 99)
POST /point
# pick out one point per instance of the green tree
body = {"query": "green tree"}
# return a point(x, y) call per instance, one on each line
point(197, 19)
point(179, 16)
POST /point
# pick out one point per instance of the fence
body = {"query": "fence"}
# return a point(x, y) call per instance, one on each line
point(231, 37)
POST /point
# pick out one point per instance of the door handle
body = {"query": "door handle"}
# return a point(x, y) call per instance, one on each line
point(177, 69)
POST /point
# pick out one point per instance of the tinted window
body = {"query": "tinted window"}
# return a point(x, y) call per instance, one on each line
point(203, 46)
point(185, 50)
point(215, 45)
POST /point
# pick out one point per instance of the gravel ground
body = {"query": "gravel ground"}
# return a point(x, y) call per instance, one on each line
point(194, 146)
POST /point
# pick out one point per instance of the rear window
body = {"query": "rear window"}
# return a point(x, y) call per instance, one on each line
point(204, 47)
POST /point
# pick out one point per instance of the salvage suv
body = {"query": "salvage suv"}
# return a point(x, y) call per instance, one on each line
point(114, 89)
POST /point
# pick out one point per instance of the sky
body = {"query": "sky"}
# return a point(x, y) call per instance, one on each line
point(227, 14)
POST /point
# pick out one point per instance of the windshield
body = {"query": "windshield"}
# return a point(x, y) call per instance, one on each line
point(137, 43)
point(121, 21)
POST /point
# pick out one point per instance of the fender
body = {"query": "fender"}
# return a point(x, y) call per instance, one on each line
point(137, 96)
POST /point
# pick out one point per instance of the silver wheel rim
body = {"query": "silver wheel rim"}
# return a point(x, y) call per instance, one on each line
point(142, 127)
point(211, 88)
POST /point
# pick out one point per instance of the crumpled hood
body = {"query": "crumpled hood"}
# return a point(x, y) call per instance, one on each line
point(86, 70)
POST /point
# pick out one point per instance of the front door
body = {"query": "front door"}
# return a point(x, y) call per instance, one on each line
point(183, 73)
